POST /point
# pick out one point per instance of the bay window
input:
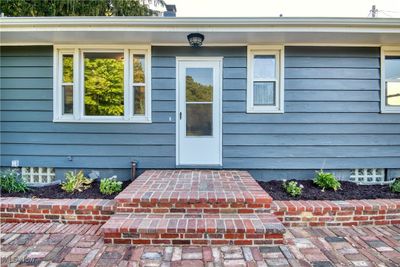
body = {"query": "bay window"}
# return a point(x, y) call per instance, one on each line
point(107, 84)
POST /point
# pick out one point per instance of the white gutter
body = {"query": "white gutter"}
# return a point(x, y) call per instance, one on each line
point(157, 24)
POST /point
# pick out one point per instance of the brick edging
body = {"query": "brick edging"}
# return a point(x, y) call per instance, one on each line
point(41, 210)
point(311, 213)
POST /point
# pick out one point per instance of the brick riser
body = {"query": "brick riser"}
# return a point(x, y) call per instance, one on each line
point(194, 229)
point(144, 207)
point(250, 239)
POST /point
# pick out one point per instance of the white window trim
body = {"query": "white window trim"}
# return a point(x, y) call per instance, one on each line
point(78, 86)
point(278, 51)
point(387, 51)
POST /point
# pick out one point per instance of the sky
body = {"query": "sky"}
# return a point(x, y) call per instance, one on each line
point(288, 8)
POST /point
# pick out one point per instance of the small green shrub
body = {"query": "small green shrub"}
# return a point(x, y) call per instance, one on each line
point(75, 181)
point(326, 181)
point(11, 182)
point(109, 186)
point(292, 188)
point(395, 186)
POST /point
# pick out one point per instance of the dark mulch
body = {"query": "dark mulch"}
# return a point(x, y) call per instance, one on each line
point(311, 192)
point(55, 192)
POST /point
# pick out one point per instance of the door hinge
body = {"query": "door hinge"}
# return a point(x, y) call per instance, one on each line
point(180, 115)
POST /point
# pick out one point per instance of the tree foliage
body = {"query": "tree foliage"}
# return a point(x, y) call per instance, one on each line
point(197, 92)
point(139, 91)
point(104, 86)
point(45, 8)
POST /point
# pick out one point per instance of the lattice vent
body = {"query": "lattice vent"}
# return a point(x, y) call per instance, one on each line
point(36, 175)
point(368, 176)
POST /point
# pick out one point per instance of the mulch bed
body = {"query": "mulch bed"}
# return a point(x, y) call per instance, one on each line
point(311, 192)
point(55, 192)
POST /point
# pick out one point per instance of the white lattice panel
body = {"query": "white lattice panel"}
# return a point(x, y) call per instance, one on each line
point(368, 176)
point(38, 175)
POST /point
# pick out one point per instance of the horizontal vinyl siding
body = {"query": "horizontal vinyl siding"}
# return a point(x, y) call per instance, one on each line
point(28, 133)
point(332, 116)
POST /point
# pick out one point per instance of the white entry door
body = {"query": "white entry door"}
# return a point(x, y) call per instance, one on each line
point(199, 112)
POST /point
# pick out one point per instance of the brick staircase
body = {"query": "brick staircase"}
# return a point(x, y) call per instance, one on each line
point(186, 207)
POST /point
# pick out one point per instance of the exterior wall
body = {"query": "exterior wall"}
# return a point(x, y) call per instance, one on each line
point(332, 116)
point(28, 133)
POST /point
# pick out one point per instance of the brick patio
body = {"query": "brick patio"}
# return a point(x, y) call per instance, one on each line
point(187, 207)
point(55, 244)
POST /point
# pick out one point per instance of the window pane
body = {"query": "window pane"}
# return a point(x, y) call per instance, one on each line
point(68, 63)
point(198, 119)
point(104, 84)
point(393, 93)
point(199, 84)
point(68, 99)
point(264, 67)
point(139, 103)
point(264, 93)
point(392, 68)
point(138, 69)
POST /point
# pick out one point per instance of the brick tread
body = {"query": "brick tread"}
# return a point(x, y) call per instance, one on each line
point(194, 187)
point(190, 229)
point(212, 223)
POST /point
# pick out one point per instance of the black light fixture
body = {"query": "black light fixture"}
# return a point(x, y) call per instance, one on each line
point(195, 39)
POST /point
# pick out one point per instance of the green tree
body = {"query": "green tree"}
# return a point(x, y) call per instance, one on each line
point(197, 92)
point(139, 91)
point(104, 86)
point(45, 8)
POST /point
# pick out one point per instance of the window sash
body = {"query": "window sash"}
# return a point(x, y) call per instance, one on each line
point(385, 52)
point(82, 85)
point(79, 90)
point(278, 53)
point(133, 84)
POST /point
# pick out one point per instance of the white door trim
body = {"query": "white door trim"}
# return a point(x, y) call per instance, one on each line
point(177, 109)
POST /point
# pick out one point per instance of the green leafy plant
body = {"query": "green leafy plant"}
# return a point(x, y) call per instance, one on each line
point(10, 181)
point(75, 181)
point(292, 188)
point(326, 180)
point(109, 186)
point(38, 8)
point(395, 186)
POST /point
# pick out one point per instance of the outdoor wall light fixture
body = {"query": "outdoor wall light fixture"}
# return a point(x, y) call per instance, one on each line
point(195, 39)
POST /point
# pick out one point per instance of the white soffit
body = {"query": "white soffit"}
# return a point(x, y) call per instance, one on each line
point(217, 31)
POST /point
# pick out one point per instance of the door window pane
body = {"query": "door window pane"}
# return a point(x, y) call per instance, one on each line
point(68, 99)
point(138, 69)
point(264, 67)
point(68, 63)
point(139, 103)
point(199, 84)
point(393, 93)
point(264, 93)
point(104, 84)
point(392, 68)
point(199, 120)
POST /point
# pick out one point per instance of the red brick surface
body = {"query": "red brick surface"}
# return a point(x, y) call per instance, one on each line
point(338, 213)
point(89, 211)
point(206, 229)
point(55, 244)
point(190, 207)
point(188, 191)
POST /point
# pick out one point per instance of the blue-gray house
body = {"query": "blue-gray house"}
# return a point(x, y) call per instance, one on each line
point(281, 97)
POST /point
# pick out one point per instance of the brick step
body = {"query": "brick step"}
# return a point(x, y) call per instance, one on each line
point(194, 229)
point(181, 191)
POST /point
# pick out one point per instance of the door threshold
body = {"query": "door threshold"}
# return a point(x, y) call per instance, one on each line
point(212, 166)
